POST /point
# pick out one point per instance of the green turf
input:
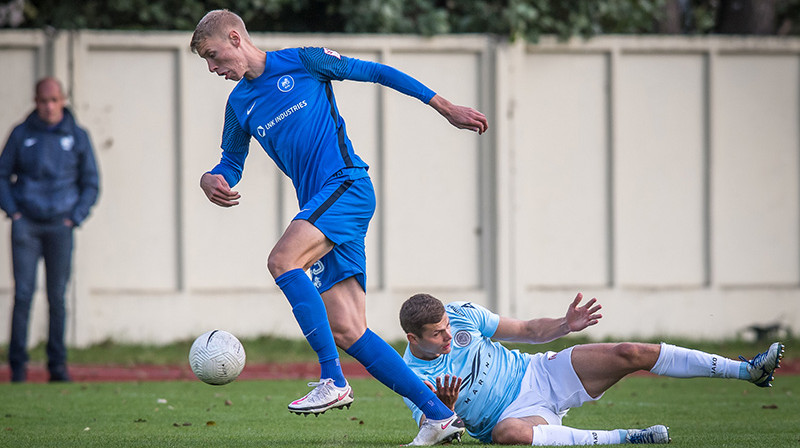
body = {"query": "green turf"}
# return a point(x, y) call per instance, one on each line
point(700, 413)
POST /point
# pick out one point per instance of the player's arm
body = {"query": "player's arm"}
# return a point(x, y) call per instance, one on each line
point(538, 331)
point(329, 65)
point(8, 160)
point(461, 117)
point(217, 183)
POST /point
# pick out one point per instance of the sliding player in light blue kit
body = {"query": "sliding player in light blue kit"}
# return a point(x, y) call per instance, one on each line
point(511, 398)
point(285, 101)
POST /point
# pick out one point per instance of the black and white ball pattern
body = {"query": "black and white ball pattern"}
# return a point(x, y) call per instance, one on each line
point(217, 357)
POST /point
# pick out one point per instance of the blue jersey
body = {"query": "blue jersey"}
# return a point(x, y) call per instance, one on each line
point(491, 373)
point(291, 111)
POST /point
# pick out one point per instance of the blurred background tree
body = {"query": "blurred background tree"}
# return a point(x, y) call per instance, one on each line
point(528, 19)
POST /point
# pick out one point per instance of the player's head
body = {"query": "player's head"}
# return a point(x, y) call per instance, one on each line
point(50, 101)
point(426, 325)
point(218, 38)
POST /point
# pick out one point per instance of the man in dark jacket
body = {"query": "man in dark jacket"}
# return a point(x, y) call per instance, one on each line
point(48, 184)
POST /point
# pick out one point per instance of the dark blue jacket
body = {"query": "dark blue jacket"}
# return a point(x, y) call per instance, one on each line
point(48, 173)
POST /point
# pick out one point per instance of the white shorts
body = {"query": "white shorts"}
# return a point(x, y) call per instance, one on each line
point(549, 389)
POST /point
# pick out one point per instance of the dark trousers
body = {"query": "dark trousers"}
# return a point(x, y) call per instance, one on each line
point(30, 242)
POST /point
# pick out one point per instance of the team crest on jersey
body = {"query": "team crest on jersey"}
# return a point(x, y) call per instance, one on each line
point(462, 338)
point(285, 83)
point(67, 142)
point(330, 52)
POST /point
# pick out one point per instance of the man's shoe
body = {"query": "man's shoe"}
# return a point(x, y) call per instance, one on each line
point(762, 367)
point(324, 396)
point(434, 432)
point(653, 434)
point(60, 375)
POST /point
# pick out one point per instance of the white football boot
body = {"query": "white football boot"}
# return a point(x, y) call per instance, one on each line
point(324, 396)
point(435, 432)
point(762, 367)
point(653, 434)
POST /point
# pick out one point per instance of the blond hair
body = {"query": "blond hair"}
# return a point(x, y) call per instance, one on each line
point(217, 23)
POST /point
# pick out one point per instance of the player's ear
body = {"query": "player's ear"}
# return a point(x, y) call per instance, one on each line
point(412, 338)
point(234, 38)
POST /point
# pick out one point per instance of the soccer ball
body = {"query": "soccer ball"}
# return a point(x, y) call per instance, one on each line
point(217, 357)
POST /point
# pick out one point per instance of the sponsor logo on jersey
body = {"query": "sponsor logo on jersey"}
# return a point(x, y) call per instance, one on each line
point(462, 338)
point(262, 130)
point(330, 52)
point(285, 83)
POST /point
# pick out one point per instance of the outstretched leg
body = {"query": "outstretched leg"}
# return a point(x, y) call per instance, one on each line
point(599, 366)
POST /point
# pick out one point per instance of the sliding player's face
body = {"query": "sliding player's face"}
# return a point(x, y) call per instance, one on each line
point(223, 57)
point(435, 338)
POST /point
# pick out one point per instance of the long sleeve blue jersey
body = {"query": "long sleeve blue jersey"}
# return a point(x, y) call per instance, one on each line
point(291, 111)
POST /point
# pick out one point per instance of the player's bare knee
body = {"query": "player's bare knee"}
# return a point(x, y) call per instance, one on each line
point(512, 431)
point(636, 355)
point(344, 337)
point(277, 265)
point(629, 352)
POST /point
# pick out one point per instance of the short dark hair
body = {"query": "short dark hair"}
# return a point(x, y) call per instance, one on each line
point(419, 310)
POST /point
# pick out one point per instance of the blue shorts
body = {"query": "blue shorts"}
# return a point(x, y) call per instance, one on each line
point(342, 210)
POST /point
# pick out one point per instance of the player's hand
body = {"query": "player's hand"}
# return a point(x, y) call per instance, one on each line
point(580, 317)
point(217, 190)
point(446, 389)
point(461, 117)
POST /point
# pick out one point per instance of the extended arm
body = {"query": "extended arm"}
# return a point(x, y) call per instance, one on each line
point(7, 161)
point(538, 331)
point(327, 64)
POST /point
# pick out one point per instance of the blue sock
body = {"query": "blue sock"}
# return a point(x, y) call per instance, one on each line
point(383, 362)
point(309, 311)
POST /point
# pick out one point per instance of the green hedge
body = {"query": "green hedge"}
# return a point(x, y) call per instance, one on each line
point(527, 19)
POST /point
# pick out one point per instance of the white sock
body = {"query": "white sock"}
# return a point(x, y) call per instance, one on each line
point(565, 436)
point(680, 362)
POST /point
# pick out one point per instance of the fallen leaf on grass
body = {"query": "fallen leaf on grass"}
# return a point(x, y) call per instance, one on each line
point(228, 403)
point(770, 406)
point(211, 423)
point(140, 420)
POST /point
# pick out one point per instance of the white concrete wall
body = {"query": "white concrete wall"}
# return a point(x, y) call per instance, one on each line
point(660, 175)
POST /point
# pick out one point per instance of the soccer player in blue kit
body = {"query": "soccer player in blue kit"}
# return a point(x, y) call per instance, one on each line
point(285, 101)
point(507, 397)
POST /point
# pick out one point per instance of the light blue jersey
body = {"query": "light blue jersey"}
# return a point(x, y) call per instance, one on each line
point(291, 111)
point(491, 373)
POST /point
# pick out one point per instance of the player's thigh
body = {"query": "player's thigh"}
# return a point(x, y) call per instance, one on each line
point(600, 366)
point(300, 246)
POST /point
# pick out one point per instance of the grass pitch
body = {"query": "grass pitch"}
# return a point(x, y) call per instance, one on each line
point(699, 412)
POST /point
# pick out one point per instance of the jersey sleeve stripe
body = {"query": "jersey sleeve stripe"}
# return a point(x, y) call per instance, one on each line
point(234, 138)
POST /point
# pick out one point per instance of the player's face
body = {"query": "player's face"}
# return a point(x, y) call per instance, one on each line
point(435, 338)
point(223, 58)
